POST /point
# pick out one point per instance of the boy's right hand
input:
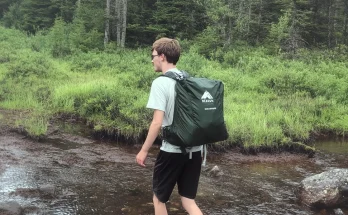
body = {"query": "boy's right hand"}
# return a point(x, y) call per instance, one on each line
point(141, 157)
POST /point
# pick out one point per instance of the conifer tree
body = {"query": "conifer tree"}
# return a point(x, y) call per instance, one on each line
point(180, 18)
point(37, 14)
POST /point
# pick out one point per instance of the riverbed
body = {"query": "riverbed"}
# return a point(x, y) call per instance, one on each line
point(72, 173)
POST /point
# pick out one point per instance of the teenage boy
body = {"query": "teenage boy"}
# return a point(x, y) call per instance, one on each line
point(172, 166)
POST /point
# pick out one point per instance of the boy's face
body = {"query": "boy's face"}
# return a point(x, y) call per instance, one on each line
point(156, 61)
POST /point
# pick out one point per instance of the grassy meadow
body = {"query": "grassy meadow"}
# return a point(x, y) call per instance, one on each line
point(270, 101)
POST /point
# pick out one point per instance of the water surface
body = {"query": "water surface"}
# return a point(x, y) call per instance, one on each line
point(96, 177)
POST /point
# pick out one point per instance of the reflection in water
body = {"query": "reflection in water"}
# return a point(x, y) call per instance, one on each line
point(9, 179)
point(107, 187)
point(334, 153)
point(337, 147)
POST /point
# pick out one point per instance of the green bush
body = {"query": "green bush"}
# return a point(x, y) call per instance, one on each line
point(269, 100)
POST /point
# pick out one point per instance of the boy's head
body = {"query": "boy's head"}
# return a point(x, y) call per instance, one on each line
point(170, 48)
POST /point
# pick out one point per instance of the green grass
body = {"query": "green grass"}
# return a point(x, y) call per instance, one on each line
point(269, 101)
point(33, 126)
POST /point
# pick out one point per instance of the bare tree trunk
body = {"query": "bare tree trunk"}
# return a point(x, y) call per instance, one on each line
point(293, 29)
point(229, 36)
point(241, 19)
point(118, 21)
point(107, 23)
point(78, 9)
point(335, 22)
point(229, 39)
point(124, 23)
point(249, 17)
point(345, 23)
point(240, 11)
point(315, 17)
point(259, 21)
point(329, 35)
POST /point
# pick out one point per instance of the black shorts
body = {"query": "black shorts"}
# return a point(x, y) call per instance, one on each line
point(176, 168)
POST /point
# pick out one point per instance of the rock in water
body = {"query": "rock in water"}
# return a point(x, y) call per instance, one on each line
point(325, 190)
point(10, 208)
point(47, 190)
point(215, 172)
point(338, 211)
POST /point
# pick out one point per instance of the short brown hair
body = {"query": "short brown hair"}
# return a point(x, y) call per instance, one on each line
point(169, 47)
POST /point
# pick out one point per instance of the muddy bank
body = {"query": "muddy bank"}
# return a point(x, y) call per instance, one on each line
point(103, 150)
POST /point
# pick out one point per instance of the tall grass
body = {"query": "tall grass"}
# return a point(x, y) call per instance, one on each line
point(269, 100)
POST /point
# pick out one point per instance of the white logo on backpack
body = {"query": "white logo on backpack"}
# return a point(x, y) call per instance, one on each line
point(207, 97)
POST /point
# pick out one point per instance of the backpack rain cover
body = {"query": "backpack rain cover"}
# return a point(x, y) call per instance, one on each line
point(198, 112)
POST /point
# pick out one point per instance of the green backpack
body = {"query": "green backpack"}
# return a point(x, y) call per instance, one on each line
point(198, 112)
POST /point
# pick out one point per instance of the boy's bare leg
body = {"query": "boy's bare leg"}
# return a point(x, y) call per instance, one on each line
point(160, 208)
point(190, 206)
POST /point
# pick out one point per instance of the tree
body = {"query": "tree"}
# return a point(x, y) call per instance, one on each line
point(37, 14)
point(87, 30)
point(315, 23)
point(5, 5)
point(142, 28)
point(64, 9)
point(121, 22)
point(118, 21)
point(180, 18)
point(13, 17)
point(267, 13)
point(107, 23)
point(124, 23)
point(243, 18)
point(345, 23)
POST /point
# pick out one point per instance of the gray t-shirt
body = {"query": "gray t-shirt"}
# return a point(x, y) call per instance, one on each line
point(162, 97)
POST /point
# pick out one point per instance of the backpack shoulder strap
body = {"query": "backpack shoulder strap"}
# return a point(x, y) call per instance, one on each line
point(176, 76)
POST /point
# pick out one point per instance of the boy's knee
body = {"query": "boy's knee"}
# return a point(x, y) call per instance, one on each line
point(160, 207)
point(190, 206)
point(186, 202)
point(156, 201)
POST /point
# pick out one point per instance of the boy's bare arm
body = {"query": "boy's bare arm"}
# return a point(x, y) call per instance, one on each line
point(154, 130)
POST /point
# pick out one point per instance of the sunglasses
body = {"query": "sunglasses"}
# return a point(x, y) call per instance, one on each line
point(153, 56)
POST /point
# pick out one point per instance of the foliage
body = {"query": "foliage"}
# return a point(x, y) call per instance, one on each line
point(280, 32)
point(66, 38)
point(177, 19)
point(35, 15)
point(59, 39)
point(269, 100)
point(13, 17)
point(208, 41)
point(180, 19)
point(280, 25)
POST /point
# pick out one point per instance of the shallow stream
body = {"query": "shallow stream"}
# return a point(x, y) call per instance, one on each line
point(73, 174)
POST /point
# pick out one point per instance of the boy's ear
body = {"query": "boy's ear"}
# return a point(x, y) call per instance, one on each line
point(164, 57)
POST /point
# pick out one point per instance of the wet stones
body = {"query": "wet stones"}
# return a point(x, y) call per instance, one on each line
point(10, 208)
point(325, 190)
point(44, 191)
point(214, 171)
point(47, 190)
point(14, 208)
point(338, 211)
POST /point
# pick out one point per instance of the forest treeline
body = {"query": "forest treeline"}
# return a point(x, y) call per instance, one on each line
point(281, 25)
